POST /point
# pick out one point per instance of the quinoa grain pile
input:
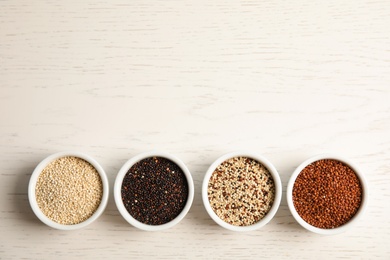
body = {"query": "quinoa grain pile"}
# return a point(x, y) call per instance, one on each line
point(241, 191)
point(327, 194)
point(154, 190)
point(69, 190)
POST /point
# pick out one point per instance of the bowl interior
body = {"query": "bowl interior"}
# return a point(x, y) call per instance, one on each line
point(278, 191)
point(34, 179)
point(118, 196)
point(343, 227)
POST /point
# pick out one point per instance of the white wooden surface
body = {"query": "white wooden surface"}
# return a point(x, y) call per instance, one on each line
point(197, 78)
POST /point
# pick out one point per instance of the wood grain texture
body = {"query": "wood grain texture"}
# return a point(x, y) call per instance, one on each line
point(286, 79)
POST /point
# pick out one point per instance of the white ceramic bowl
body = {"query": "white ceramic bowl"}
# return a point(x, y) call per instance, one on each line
point(118, 196)
point(354, 219)
point(33, 181)
point(275, 205)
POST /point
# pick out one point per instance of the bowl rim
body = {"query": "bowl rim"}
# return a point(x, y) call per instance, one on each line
point(278, 190)
point(34, 178)
point(118, 186)
point(354, 219)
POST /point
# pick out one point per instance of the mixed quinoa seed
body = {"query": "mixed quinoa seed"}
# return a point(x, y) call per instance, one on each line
point(241, 191)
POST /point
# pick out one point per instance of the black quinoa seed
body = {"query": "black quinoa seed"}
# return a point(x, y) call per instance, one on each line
point(154, 190)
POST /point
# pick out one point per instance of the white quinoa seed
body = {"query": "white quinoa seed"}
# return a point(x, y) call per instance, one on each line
point(241, 191)
point(69, 190)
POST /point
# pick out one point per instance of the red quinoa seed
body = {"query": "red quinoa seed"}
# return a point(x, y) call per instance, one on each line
point(327, 194)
